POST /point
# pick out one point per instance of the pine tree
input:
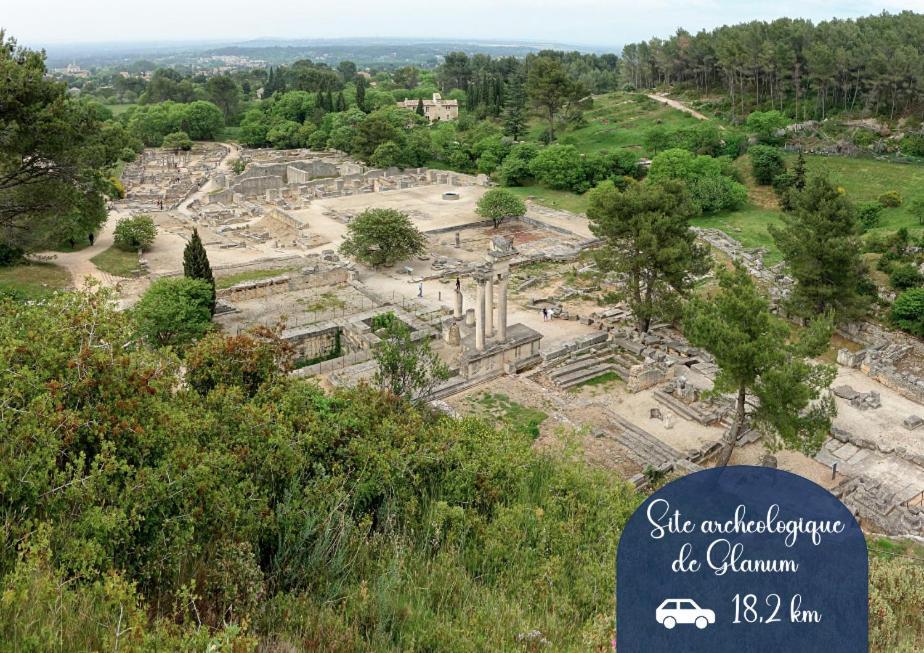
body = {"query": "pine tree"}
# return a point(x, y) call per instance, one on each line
point(341, 103)
point(420, 107)
point(819, 240)
point(196, 264)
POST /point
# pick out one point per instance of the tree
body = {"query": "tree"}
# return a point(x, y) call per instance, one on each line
point(177, 141)
point(765, 125)
point(916, 208)
point(386, 155)
point(820, 244)
point(174, 311)
point(766, 164)
point(203, 121)
point(55, 155)
point(647, 238)
point(225, 94)
point(361, 92)
point(341, 105)
point(380, 127)
point(908, 311)
point(757, 356)
point(135, 232)
point(799, 172)
point(405, 77)
point(515, 114)
point(382, 236)
point(455, 72)
point(247, 361)
point(498, 204)
point(420, 107)
point(196, 265)
point(407, 367)
point(347, 70)
point(550, 88)
point(560, 167)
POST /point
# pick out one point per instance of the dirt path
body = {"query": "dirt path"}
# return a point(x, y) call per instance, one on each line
point(234, 152)
point(680, 106)
point(79, 265)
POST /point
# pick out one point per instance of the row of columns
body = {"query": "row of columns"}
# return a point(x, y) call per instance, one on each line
point(484, 308)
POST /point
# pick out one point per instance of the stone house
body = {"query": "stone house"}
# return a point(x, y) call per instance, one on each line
point(435, 109)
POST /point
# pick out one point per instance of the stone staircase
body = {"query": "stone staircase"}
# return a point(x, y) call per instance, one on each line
point(580, 369)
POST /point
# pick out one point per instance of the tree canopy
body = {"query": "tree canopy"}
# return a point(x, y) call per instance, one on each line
point(55, 155)
point(498, 204)
point(382, 237)
point(820, 244)
point(647, 237)
point(757, 356)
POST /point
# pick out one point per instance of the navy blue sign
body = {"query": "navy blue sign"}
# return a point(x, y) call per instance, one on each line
point(741, 559)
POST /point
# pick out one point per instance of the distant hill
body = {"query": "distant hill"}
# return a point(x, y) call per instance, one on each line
point(381, 52)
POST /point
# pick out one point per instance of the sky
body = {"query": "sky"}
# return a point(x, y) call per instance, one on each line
point(580, 22)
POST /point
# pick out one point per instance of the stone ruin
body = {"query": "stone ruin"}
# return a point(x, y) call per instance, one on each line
point(163, 179)
point(329, 175)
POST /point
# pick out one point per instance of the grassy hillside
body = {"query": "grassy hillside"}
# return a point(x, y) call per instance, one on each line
point(864, 180)
point(619, 120)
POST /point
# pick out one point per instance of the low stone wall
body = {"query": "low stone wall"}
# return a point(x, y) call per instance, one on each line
point(285, 283)
point(257, 186)
point(315, 340)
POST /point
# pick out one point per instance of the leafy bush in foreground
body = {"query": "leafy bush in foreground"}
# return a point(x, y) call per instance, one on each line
point(147, 515)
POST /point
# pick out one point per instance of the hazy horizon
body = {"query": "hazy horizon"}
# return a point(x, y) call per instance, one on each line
point(591, 23)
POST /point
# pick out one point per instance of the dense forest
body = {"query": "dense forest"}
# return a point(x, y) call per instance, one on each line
point(869, 65)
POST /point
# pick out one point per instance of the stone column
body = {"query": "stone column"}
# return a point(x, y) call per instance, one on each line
point(489, 306)
point(502, 309)
point(457, 313)
point(479, 316)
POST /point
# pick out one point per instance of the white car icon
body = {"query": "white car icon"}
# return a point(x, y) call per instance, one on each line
point(683, 611)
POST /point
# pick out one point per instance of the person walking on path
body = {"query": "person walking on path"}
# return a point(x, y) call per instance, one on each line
point(420, 289)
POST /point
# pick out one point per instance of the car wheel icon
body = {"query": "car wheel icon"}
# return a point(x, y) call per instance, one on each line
point(670, 622)
point(701, 622)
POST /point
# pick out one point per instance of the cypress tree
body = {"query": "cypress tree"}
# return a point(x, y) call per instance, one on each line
point(800, 172)
point(361, 92)
point(329, 101)
point(196, 264)
point(515, 109)
point(420, 107)
point(341, 103)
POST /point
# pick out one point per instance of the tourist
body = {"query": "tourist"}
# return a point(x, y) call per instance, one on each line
point(91, 238)
point(420, 289)
point(458, 284)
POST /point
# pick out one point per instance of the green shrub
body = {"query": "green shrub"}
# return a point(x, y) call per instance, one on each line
point(869, 214)
point(135, 232)
point(912, 145)
point(908, 311)
point(904, 276)
point(766, 163)
point(174, 311)
point(890, 199)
